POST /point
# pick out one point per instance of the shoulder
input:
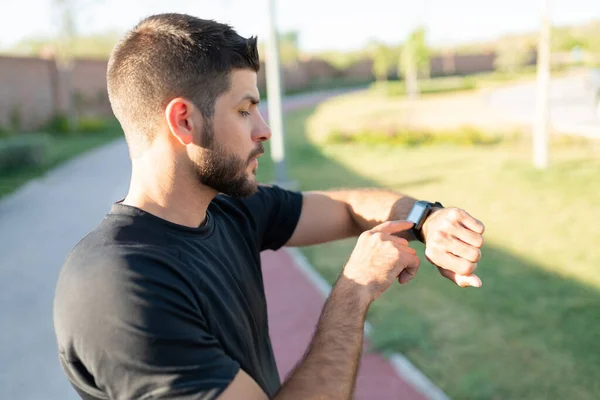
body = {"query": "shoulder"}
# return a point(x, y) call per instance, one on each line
point(116, 246)
point(264, 200)
point(116, 261)
point(115, 280)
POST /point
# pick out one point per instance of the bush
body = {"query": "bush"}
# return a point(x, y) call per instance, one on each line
point(429, 86)
point(59, 124)
point(92, 125)
point(467, 136)
point(25, 150)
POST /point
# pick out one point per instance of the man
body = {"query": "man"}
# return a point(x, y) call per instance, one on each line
point(164, 299)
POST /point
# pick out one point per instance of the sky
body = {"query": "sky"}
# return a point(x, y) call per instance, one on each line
point(322, 24)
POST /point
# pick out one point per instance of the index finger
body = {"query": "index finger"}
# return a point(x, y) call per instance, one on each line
point(390, 227)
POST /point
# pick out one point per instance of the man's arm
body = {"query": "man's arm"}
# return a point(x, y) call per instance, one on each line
point(338, 214)
point(329, 367)
point(330, 364)
point(453, 238)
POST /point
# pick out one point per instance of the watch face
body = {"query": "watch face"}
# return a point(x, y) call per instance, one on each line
point(417, 212)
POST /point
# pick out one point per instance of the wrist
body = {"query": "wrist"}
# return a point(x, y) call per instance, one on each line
point(353, 291)
point(425, 227)
point(420, 215)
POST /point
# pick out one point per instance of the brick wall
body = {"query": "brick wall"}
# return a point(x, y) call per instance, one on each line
point(462, 64)
point(89, 85)
point(33, 90)
point(27, 91)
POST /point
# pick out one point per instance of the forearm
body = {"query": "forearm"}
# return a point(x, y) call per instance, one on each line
point(370, 207)
point(329, 367)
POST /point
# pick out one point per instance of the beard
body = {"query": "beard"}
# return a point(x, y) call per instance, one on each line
point(223, 170)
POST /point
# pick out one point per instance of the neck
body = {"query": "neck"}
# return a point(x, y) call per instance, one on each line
point(169, 190)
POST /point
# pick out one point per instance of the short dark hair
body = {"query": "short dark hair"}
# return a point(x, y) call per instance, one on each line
point(173, 55)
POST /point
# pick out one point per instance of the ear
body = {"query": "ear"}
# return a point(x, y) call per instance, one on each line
point(182, 119)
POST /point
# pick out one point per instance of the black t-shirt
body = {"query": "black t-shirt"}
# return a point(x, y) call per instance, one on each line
point(148, 309)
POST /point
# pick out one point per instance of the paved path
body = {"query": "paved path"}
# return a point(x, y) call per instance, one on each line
point(42, 221)
point(291, 293)
point(572, 103)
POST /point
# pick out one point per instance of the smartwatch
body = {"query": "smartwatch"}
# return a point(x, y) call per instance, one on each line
point(418, 214)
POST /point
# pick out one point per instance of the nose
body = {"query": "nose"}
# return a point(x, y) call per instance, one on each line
point(261, 132)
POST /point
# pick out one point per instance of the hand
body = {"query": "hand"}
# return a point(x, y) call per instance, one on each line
point(379, 258)
point(453, 241)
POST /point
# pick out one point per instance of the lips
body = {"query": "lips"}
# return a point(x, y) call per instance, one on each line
point(256, 154)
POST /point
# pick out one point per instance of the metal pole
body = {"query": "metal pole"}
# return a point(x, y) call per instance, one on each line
point(274, 99)
point(542, 110)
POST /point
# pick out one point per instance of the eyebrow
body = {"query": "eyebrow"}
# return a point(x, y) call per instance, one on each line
point(251, 98)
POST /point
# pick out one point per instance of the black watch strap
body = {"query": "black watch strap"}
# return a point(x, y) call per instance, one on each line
point(420, 212)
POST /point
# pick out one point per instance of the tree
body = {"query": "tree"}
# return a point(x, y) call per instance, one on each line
point(414, 60)
point(289, 50)
point(382, 61)
point(97, 45)
point(513, 55)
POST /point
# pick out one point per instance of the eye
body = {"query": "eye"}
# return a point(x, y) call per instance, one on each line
point(244, 113)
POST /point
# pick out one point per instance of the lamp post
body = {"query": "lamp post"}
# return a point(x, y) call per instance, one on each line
point(273, 76)
point(542, 109)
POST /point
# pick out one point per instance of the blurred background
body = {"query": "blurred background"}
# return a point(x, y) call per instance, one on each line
point(490, 106)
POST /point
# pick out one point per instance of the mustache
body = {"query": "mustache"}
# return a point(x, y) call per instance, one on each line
point(256, 152)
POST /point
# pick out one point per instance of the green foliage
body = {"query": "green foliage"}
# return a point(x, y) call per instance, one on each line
point(324, 84)
point(383, 61)
point(513, 55)
point(59, 125)
point(5, 132)
point(26, 150)
point(429, 86)
point(415, 53)
point(59, 149)
point(92, 125)
point(343, 60)
point(467, 136)
point(289, 50)
point(586, 37)
point(96, 46)
point(16, 119)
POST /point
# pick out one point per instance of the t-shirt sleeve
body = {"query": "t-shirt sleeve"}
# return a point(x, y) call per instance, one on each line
point(276, 212)
point(134, 328)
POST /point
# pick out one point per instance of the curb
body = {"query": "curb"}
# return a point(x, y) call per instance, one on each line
point(403, 367)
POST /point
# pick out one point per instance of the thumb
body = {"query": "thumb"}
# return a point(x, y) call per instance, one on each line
point(390, 227)
point(461, 280)
point(407, 275)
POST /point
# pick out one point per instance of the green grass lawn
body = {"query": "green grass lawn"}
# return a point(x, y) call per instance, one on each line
point(61, 148)
point(532, 331)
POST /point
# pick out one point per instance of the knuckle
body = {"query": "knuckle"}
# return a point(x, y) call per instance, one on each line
point(468, 267)
point(439, 236)
point(448, 224)
point(476, 255)
point(480, 241)
point(416, 261)
point(429, 252)
point(455, 214)
point(379, 236)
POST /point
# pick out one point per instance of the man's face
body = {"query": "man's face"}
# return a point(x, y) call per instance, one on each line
point(232, 139)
